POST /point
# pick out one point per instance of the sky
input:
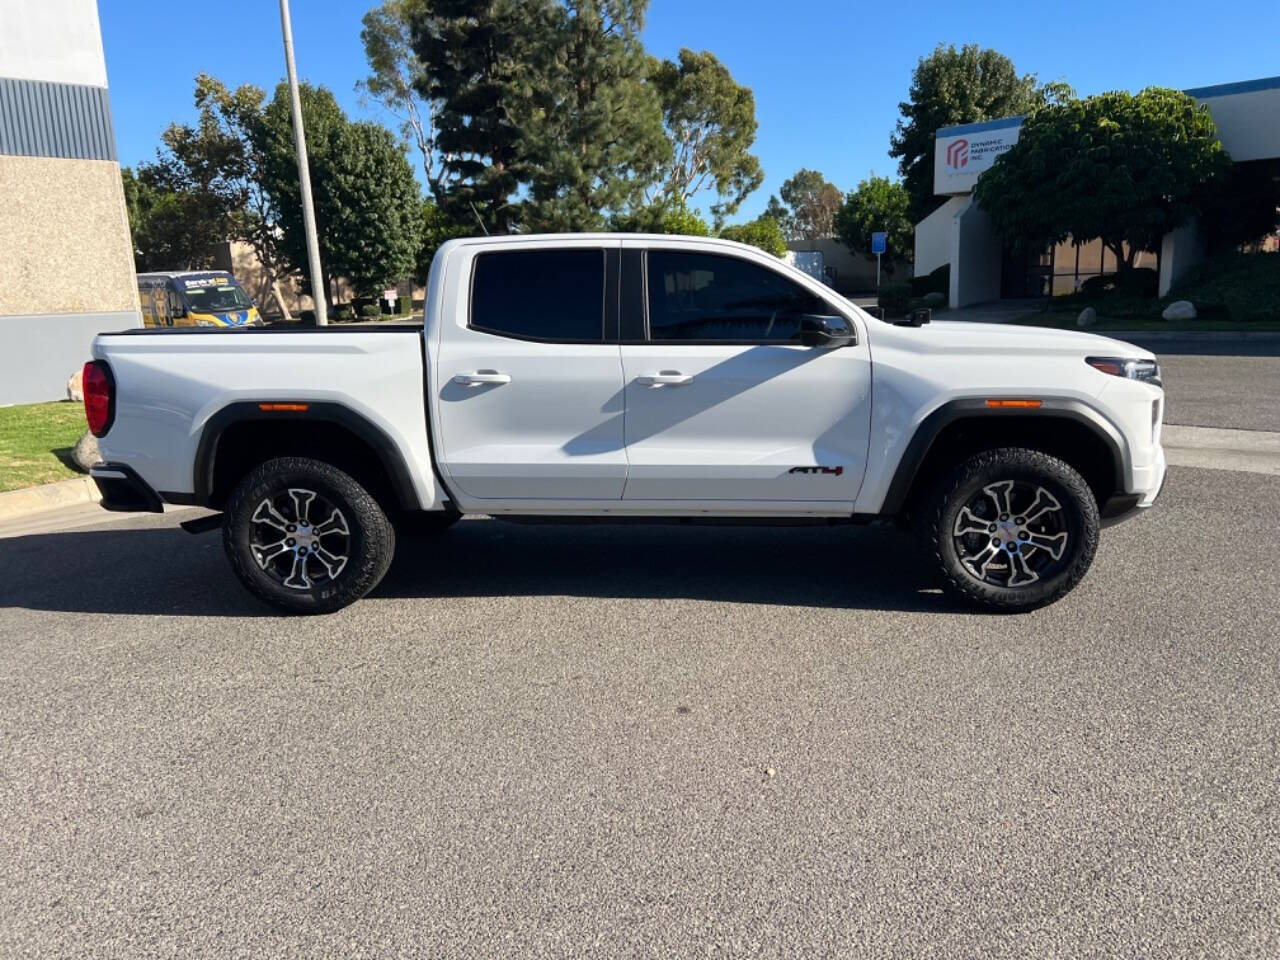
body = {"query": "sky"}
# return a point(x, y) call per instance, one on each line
point(827, 74)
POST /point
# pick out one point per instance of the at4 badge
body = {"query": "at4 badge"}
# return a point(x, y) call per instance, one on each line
point(830, 471)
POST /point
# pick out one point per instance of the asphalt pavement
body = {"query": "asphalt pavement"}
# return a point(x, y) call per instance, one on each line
point(1240, 392)
point(658, 741)
point(646, 741)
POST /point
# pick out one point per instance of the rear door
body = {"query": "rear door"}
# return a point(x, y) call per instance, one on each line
point(528, 373)
point(723, 403)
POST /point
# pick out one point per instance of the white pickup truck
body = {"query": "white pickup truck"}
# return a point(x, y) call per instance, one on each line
point(623, 377)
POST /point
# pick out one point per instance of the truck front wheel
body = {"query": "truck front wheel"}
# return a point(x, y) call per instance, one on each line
point(1011, 529)
point(305, 537)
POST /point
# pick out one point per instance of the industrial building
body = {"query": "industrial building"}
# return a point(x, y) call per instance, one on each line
point(959, 233)
point(64, 231)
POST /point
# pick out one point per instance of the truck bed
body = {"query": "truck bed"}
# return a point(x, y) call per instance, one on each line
point(171, 382)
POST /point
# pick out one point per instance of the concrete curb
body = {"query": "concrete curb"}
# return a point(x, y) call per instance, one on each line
point(1216, 448)
point(49, 496)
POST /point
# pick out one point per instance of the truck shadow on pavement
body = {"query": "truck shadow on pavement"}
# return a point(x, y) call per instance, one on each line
point(166, 572)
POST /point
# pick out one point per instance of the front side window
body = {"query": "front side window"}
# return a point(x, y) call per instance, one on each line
point(540, 294)
point(711, 297)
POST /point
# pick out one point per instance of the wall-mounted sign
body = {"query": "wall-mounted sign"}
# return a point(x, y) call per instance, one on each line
point(959, 157)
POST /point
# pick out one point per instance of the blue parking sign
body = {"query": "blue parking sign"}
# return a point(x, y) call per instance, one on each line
point(878, 242)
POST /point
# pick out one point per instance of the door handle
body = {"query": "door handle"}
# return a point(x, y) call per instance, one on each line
point(481, 377)
point(667, 377)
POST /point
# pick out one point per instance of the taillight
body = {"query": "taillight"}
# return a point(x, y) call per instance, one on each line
point(99, 397)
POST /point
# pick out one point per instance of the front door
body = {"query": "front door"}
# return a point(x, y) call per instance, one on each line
point(528, 379)
point(722, 402)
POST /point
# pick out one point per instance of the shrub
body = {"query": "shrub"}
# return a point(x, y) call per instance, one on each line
point(1244, 286)
point(344, 313)
point(1139, 282)
point(370, 311)
point(894, 298)
point(936, 281)
point(934, 300)
point(762, 232)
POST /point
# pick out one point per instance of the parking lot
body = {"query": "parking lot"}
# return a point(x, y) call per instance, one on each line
point(654, 741)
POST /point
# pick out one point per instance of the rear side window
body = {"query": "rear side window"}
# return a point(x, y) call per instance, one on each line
point(540, 294)
point(714, 298)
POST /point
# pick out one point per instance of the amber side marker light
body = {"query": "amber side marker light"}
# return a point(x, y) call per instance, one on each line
point(1018, 404)
point(284, 407)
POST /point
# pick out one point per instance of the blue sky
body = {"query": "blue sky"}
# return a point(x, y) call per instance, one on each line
point(827, 75)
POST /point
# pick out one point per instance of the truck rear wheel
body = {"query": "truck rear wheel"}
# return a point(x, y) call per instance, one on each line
point(1011, 529)
point(305, 537)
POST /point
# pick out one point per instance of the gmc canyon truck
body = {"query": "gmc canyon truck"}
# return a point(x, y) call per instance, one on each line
point(630, 377)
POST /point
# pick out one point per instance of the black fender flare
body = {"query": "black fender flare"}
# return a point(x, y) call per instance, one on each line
point(316, 411)
point(970, 407)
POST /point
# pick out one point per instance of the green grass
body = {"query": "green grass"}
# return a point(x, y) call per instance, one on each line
point(36, 441)
point(1066, 319)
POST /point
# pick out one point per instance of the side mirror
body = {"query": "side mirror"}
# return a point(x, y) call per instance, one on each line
point(819, 331)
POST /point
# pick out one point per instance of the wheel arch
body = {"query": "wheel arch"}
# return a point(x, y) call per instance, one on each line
point(1068, 429)
point(244, 434)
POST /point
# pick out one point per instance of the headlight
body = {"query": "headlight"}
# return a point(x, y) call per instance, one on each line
point(1148, 371)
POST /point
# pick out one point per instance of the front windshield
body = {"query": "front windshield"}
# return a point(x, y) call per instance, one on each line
point(215, 295)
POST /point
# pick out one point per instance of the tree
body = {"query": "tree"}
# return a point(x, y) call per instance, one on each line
point(953, 86)
point(809, 204)
point(171, 228)
point(597, 141)
point(878, 204)
point(483, 65)
point(777, 211)
point(367, 203)
point(762, 232)
point(1245, 208)
point(711, 123)
point(373, 208)
point(436, 229)
point(219, 159)
point(665, 216)
point(397, 78)
point(1121, 167)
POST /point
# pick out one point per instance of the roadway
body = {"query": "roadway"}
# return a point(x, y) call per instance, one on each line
point(653, 741)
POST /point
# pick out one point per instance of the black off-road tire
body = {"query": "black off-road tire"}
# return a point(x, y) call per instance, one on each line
point(370, 541)
point(939, 510)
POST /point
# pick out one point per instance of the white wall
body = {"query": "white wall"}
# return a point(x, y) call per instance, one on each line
point(1248, 122)
point(1180, 250)
point(975, 257)
point(52, 40)
point(854, 272)
point(933, 236)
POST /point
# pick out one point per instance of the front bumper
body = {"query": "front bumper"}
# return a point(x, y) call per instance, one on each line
point(1122, 506)
point(123, 490)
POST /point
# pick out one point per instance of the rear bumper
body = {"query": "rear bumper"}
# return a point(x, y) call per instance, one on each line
point(123, 490)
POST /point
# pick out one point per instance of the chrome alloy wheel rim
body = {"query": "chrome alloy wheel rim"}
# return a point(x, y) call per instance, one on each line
point(300, 539)
point(1011, 534)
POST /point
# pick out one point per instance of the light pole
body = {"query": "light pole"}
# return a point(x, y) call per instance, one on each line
point(318, 292)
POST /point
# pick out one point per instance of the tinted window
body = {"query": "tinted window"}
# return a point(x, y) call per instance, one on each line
point(540, 294)
point(703, 296)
